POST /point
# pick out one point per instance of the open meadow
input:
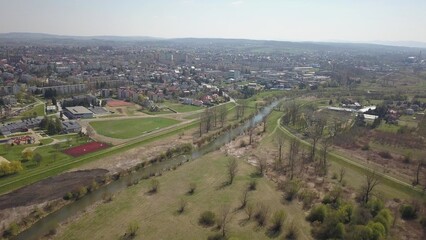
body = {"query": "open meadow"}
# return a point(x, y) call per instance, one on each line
point(157, 214)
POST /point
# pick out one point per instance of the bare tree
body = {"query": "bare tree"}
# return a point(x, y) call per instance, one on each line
point(223, 112)
point(342, 174)
point(315, 131)
point(243, 108)
point(250, 133)
point(264, 120)
point(420, 164)
point(243, 199)
point(325, 145)
point(292, 156)
point(208, 119)
point(372, 181)
point(202, 122)
point(279, 139)
point(224, 219)
point(215, 116)
point(238, 111)
point(261, 166)
point(249, 210)
point(232, 168)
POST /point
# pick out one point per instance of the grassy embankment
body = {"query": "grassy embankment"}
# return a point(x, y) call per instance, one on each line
point(157, 216)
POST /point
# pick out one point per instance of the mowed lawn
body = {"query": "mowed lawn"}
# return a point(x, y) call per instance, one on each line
point(157, 217)
point(184, 108)
point(129, 128)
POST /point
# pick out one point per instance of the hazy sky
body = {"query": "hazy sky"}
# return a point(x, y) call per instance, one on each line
point(309, 20)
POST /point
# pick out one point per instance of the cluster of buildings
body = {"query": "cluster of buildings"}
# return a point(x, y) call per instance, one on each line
point(196, 72)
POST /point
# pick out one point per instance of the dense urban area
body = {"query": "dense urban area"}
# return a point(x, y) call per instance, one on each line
point(122, 138)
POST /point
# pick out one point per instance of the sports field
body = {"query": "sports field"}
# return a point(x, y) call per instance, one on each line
point(129, 128)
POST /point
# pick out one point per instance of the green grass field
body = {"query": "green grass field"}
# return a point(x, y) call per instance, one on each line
point(183, 108)
point(157, 217)
point(162, 111)
point(38, 109)
point(129, 128)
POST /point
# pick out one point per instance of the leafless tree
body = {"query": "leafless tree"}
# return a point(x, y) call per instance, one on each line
point(223, 112)
point(342, 174)
point(264, 120)
point(372, 181)
point(249, 210)
point(224, 219)
point(250, 133)
point(325, 145)
point(243, 108)
point(206, 121)
point(315, 131)
point(215, 116)
point(243, 199)
point(420, 165)
point(239, 111)
point(261, 166)
point(279, 139)
point(292, 156)
point(232, 168)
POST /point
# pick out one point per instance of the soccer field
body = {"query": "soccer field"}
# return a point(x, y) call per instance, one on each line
point(129, 128)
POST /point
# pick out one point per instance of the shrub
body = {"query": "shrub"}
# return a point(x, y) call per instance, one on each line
point(252, 185)
point(307, 197)
point(407, 158)
point(385, 154)
point(192, 187)
point(182, 206)
point(375, 205)
point(290, 188)
point(132, 230)
point(207, 218)
point(365, 147)
point(68, 196)
point(377, 229)
point(243, 144)
point(333, 198)
point(385, 218)
point(408, 212)
point(292, 233)
point(154, 186)
point(261, 214)
point(12, 231)
point(277, 222)
point(82, 191)
point(107, 197)
point(318, 213)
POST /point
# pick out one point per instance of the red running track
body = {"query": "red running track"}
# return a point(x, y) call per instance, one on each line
point(85, 149)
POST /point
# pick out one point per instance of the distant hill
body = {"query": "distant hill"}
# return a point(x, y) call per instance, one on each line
point(412, 44)
point(242, 44)
point(44, 36)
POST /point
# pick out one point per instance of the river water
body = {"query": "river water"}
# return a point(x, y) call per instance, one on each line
point(49, 222)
